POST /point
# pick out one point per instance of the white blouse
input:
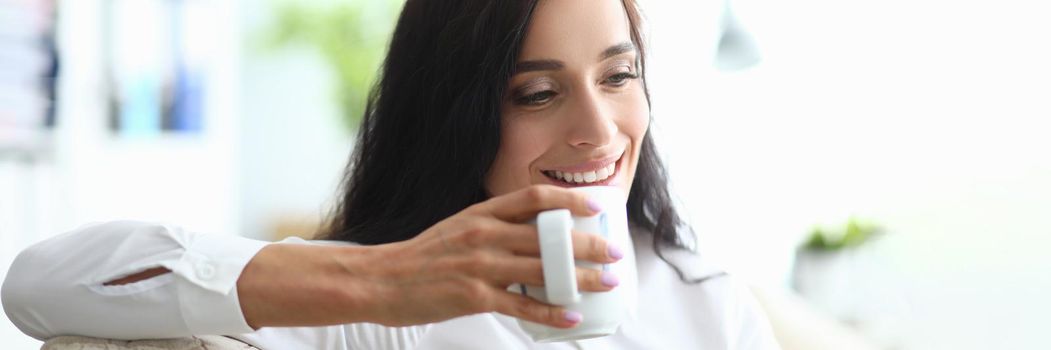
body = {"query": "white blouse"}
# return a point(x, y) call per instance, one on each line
point(56, 288)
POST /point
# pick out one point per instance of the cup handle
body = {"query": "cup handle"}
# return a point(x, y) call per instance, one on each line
point(556, 255)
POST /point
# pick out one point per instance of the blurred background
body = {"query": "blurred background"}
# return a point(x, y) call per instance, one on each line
point(876, 169)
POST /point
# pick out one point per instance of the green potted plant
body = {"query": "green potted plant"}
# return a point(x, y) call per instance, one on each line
point(827, 265)
point(853, 234)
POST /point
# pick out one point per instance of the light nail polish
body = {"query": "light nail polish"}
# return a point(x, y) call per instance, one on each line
point(615, 252)
point(609, 279)
point(594, 206)
point(573, 316)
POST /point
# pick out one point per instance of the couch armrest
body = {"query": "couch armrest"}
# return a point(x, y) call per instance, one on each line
point(205, 342)
point(798, 326)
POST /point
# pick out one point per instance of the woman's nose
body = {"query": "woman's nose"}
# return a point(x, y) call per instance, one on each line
point(593, 121)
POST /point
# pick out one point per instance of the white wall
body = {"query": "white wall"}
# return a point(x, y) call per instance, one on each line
point(929, 117)
point(293, 145)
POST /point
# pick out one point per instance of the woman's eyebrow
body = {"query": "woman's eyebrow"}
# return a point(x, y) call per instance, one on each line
point(617, 49)
point(541, 65)
point(538, 65)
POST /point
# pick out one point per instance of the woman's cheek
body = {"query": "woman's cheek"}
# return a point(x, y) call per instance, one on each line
point(518, 149)
point(638, 120)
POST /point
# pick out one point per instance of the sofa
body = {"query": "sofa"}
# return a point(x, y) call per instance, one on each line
point(207, 342)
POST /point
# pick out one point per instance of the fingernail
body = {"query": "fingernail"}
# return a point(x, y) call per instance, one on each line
point(573, 316)
point(609, 279)
point(615, 252)
point(594, 206)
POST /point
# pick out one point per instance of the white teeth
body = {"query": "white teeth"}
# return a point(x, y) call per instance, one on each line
point(590, 177)
point(602, 173)
point(587, 177)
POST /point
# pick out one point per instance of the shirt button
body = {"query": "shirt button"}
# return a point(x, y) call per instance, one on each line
point(205, 271)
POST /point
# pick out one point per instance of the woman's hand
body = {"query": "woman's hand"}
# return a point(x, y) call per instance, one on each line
point(460, 266)
point(464, 264)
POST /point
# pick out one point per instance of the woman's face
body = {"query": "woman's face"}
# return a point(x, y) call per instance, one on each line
point(575, 113)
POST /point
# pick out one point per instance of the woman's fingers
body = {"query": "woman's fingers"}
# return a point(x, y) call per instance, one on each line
point(491, 247)
point(522, 239)
point(592, 247)
point(529, 309)
point(524, 204)
point(530, 271)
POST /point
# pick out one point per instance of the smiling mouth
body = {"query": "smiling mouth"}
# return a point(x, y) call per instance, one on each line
point(592, 177)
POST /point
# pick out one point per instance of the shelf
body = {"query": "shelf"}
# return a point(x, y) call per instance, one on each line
point(24, 142)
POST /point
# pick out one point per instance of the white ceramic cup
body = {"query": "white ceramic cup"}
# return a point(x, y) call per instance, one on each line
point(603, 312)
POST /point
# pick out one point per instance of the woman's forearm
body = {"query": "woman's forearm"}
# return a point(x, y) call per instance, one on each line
point(307, 285)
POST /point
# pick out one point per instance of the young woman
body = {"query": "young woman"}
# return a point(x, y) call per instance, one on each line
point(487, 111)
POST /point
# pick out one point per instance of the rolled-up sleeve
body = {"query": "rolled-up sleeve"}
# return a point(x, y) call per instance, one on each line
point(56, 287)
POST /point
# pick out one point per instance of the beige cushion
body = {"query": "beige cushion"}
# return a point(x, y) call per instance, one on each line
point(206, 342)
point(798, 326)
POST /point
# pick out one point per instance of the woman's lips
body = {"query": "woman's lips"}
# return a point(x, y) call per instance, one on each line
point(595, 173)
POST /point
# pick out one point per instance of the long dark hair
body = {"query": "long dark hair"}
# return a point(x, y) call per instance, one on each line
point(431, 129)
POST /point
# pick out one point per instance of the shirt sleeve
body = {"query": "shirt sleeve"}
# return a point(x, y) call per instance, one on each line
point(55, 287)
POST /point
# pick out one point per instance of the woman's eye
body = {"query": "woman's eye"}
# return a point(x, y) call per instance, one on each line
point(620, 79)
point(534, 99)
